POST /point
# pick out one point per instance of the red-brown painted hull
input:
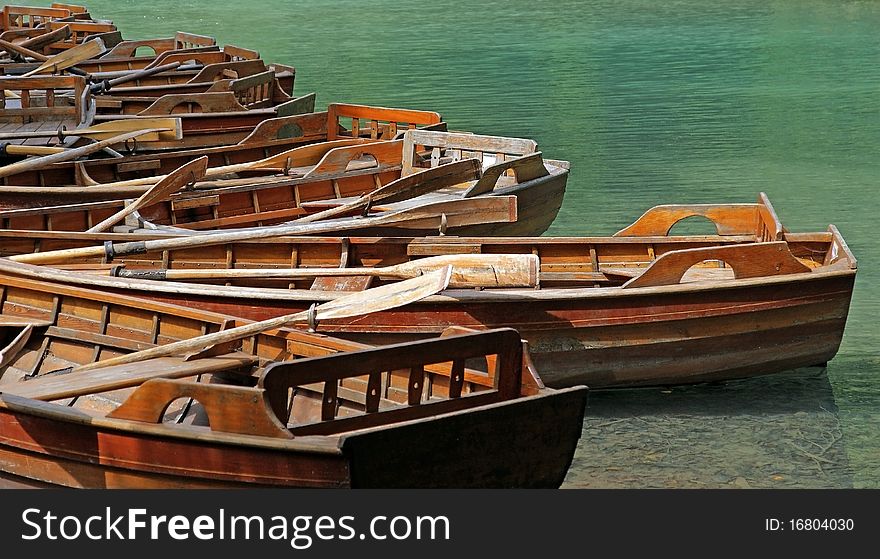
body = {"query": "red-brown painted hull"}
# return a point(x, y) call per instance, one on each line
point(650, 336)
point(527, 442)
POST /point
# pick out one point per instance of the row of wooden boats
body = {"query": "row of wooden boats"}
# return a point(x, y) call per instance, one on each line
point(204, 281)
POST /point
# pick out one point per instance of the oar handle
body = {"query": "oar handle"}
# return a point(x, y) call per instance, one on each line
point(23, 51)
point(16, 149)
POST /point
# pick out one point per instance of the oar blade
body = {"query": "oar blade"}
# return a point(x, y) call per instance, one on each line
point(448, 214)
point(428, 180)
point(167, 129)
point(478, 270)
point(386, 297)
point(70, 57)
point(187, 173)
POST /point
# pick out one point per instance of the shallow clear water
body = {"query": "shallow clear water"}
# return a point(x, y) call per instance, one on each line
point(652, 102)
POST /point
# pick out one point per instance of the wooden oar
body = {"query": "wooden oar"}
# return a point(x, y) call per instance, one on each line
point(405, 188)
point(490, 209)
point(23, 51)
point(68, 155)
point(169, 128)
point(187, 173)
point(105, 85)
point(14, 149)
point(70, 57)
point(293, 157)
point(468, 270)
point(361, 303)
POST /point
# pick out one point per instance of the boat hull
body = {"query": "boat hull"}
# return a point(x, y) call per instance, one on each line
point(640, 337)
point(527, 442)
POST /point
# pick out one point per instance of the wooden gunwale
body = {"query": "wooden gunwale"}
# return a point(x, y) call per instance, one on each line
point(456, 296)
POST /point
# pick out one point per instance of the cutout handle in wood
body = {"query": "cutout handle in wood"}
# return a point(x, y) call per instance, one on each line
point(746, 260)
point(729, 219)
point(377, 154)
point(223, 102)
point(230, 409)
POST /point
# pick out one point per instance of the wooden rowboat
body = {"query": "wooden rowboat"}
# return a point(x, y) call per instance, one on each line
point(220, 119)
point(129, 55)
point(323, 176)
point(637, 308)
point(271, 137)
point(274, 411)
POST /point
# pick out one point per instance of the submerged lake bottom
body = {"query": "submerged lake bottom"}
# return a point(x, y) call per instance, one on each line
point(776, 431)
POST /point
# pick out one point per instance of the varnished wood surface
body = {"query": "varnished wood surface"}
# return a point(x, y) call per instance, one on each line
point(84, 446)
point(583, 327)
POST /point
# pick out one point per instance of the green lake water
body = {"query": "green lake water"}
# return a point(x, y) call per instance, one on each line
point(652, 102)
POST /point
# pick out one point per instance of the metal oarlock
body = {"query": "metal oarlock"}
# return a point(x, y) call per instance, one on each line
point(313, 317)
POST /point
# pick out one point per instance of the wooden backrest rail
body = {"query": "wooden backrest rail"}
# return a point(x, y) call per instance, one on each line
point(277, 379)
point(44, 88)
point(25, 16)
point(769, 228)
point(378, 122)
point(460, 146)
point(254, 91)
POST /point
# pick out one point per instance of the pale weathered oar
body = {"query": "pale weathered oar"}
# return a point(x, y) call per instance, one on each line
point(169, 128)
point(404, 188)
point(70, 57)
point(188, 173)
point(472, 211)
point(70, 154)
point(468, 270)
point(15, 149)
point(360, 303)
